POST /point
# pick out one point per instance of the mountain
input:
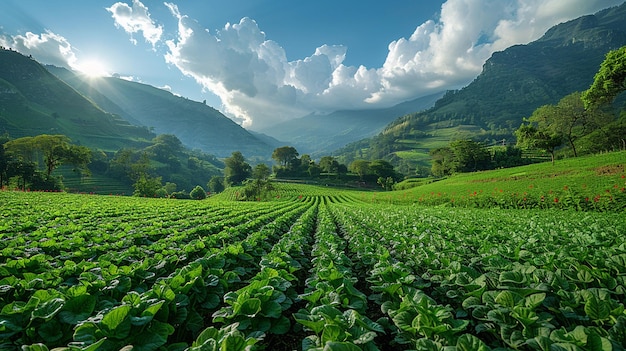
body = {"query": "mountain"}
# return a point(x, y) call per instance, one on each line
point(318, 135)
point(33, 101)
point(197, 125)
point(512, 84)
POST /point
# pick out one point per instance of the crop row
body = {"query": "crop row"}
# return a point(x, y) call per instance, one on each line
point(315, 273)
point(151, 296)
point(454, 278)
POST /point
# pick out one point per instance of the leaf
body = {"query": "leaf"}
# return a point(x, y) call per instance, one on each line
point(77, 309)
point(233, 342)
point(282, 326)
point(467, 342)
point(210, 333)
point(115, 324)
point(249, 307)
point(333, 333)
point(272, 309)
point(597, 310)
point(35, 347)
point(365, 338)
point(596, 342)
point(535, 300)
point(50, 331)
point(341, 346)
point(48, 309)
point(153, 337)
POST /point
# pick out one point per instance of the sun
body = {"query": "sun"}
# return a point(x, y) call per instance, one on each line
point(93, 68)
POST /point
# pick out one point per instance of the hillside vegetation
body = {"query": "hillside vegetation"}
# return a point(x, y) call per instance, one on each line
point(511, 86)
point(33, 101)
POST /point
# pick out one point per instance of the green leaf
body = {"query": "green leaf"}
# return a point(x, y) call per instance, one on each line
point(467, 342)
point(249, 307)
point(35, 347)
point(333, 333)
point(272, 309)
point(153, 337)
point(115, 322)
point(596, 342)
point(535, 300)
point(233, 342)
point(282, 326)
point(48, 309)
point(210, 333)
point(597, 310)
point(51, 331)
point(77, 309)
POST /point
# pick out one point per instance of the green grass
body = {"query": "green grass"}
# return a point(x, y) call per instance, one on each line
point(581, 179)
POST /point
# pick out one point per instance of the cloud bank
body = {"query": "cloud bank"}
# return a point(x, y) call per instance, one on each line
point(259, 86)
point(46, 47)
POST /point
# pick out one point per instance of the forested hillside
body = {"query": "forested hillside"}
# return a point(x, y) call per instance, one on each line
point(196, 124)
point(512, 85)
point(33, 101)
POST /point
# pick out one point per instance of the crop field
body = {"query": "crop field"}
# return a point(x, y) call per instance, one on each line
point(315, 270)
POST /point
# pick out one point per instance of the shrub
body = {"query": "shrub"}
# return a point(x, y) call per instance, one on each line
point(198, 193)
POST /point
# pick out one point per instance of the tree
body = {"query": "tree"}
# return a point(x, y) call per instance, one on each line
point(236, 169)
point(528, 136)
point(147, 185)
point(285, 155)
point(53, 149)
point(216, 184)
point(360, 167)
point(198, 193)
point(443, 161)
point(328, 164)
point(609, 81)
point(261, 171)
point(383, 169)
point(470, 156)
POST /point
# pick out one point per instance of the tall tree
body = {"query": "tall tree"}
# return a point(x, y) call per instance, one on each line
point(360, 167)
point(528, 136)
point(54, 149)
point(285, 155)
point(470, 156)
point(236, 169)
point(609, 81)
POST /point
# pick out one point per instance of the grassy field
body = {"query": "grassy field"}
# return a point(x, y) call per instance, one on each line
point(590, 179)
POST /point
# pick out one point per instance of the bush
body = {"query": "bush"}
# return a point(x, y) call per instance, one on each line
point(198, 193)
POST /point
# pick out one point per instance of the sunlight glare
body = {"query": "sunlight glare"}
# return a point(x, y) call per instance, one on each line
point(93, 69)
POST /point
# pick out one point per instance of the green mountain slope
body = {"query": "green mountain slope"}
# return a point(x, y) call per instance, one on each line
point(33, 101)
point(512, 85)
point(318, 135)
point(195, 124)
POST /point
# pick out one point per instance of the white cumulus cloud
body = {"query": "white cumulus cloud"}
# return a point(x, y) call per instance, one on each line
point(136, 19)
point(259, 86)
point(48, 47)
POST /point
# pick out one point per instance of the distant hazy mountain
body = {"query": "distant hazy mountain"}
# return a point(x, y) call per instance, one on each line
point(33, 101)
point(512, 85)
point(195, 124)
point(320, 134)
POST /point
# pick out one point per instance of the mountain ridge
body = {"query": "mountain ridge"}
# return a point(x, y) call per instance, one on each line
point(196, 124)
point(513, 83)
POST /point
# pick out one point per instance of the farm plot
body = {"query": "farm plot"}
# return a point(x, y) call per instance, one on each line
point(312, 272)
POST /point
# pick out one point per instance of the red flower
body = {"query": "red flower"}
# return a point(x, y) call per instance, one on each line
point(556, 200)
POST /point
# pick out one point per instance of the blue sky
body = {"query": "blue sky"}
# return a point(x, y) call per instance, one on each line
point(265, 61)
